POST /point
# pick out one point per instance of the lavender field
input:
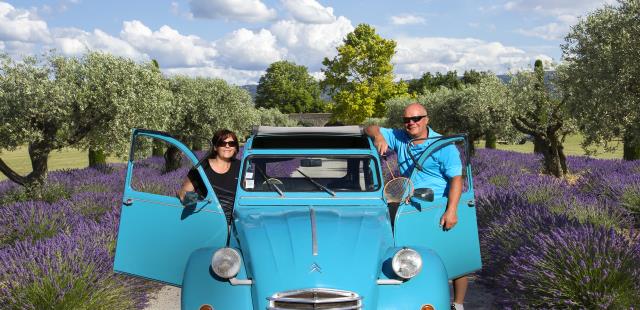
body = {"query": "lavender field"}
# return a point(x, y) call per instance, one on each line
point(546, 242)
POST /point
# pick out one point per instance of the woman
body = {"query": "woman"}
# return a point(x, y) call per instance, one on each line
point(222, 170)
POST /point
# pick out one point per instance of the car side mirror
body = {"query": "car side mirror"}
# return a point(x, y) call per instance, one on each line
point(190, 199)
point(425, 194)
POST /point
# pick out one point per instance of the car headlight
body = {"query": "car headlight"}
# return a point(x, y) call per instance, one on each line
point(226, 262)
point(406, 263)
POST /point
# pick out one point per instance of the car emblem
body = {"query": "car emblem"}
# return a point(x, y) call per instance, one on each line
point(315, 268)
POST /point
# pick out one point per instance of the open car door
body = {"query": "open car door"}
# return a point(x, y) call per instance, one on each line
point(157, 232)
point(418, 222)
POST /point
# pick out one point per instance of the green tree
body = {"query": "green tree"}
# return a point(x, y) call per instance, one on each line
point(542, 113)
point(51, 102)
point(360, 77)
point(117, 94)
point(602, 52)
point(431, 83)
point(289, 88)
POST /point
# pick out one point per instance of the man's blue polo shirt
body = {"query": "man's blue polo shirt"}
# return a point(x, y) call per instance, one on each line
point(441, 166)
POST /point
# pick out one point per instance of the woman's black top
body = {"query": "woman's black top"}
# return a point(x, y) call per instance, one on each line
point(224, 185)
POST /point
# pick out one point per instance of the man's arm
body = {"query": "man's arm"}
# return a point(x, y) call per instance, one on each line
point(379, 142)
point(450, 216)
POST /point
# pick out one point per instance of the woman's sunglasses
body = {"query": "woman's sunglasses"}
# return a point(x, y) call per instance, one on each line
point(414, 119)
point(227, 143)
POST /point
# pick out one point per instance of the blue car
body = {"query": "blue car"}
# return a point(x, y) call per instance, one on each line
point(311, 229)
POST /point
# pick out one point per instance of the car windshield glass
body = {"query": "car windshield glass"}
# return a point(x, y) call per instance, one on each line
point(328, 174)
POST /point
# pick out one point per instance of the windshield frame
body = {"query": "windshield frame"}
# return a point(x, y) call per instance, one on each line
point(376, 174)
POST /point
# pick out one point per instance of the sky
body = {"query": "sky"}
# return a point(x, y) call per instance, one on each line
point(236, 40)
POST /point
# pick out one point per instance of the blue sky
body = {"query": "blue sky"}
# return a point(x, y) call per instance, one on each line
point(237, 39)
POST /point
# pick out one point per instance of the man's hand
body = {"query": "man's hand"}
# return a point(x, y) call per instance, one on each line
point(380, 144)
point(449, 219)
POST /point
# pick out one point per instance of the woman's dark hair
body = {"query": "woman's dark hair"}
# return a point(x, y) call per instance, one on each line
point(220, 136)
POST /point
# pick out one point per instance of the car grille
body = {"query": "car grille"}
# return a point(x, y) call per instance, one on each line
point(315, 299)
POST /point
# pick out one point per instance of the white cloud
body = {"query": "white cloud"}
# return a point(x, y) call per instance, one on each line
point(74, 42)
point(245, 49)
point(416, 56)
point(551, 31)
point(556, 7)
point(231, 75)
point(243, 10)
point(407, 19)
point(167, 45)
point(308, 44)
point(21, 25)
point(309, 11)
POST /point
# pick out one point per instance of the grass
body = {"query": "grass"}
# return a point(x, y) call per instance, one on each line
point(66, 158)
point(571, 148)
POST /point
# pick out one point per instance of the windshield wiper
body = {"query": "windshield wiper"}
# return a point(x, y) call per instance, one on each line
point(320, 186)
point(272, 185)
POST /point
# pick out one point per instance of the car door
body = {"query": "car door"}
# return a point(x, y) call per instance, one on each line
point(157, 233)
point(418, 222)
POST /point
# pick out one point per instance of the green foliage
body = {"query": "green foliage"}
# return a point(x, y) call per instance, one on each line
point(360, 77)
point(50, 192)
point(201, 106)
point(289, 88)
point(120, 94)
point(601, 76)
point(499, 180)
point(431, 83)
point(273, 117)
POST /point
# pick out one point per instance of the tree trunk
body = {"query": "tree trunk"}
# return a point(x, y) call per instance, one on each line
point(172, 159)
point(472, 145)
point(490, 140)
point(196, 145)
point(97, 158)
point(539, 145)
point(554, 158)
point(39, 155)
point(158, 148)
point(631, 147)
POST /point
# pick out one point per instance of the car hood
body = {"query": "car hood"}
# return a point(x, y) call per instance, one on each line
point(280, 253)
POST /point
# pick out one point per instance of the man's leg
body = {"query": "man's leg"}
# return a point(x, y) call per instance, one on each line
point(460, 289)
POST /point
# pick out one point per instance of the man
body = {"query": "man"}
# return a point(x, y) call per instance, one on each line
point(442, 172)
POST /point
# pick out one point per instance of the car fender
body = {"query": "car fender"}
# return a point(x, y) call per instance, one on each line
point(201, 286)
point(430, 286)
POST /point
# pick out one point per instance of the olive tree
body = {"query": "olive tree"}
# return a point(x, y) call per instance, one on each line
point(602, 52)
point(540, 111)
point(116, 94)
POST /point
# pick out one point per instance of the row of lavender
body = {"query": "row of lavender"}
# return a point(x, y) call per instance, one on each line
point(546, 243)
point(559, 243)
point(57, 252)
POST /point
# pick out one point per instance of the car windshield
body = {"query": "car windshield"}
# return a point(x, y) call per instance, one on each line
point(327, 173)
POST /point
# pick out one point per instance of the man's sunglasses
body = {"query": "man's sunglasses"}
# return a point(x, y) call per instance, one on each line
point(414, 119)
point(227, 143)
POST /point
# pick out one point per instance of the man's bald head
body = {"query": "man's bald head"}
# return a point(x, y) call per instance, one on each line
point(414, 109)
